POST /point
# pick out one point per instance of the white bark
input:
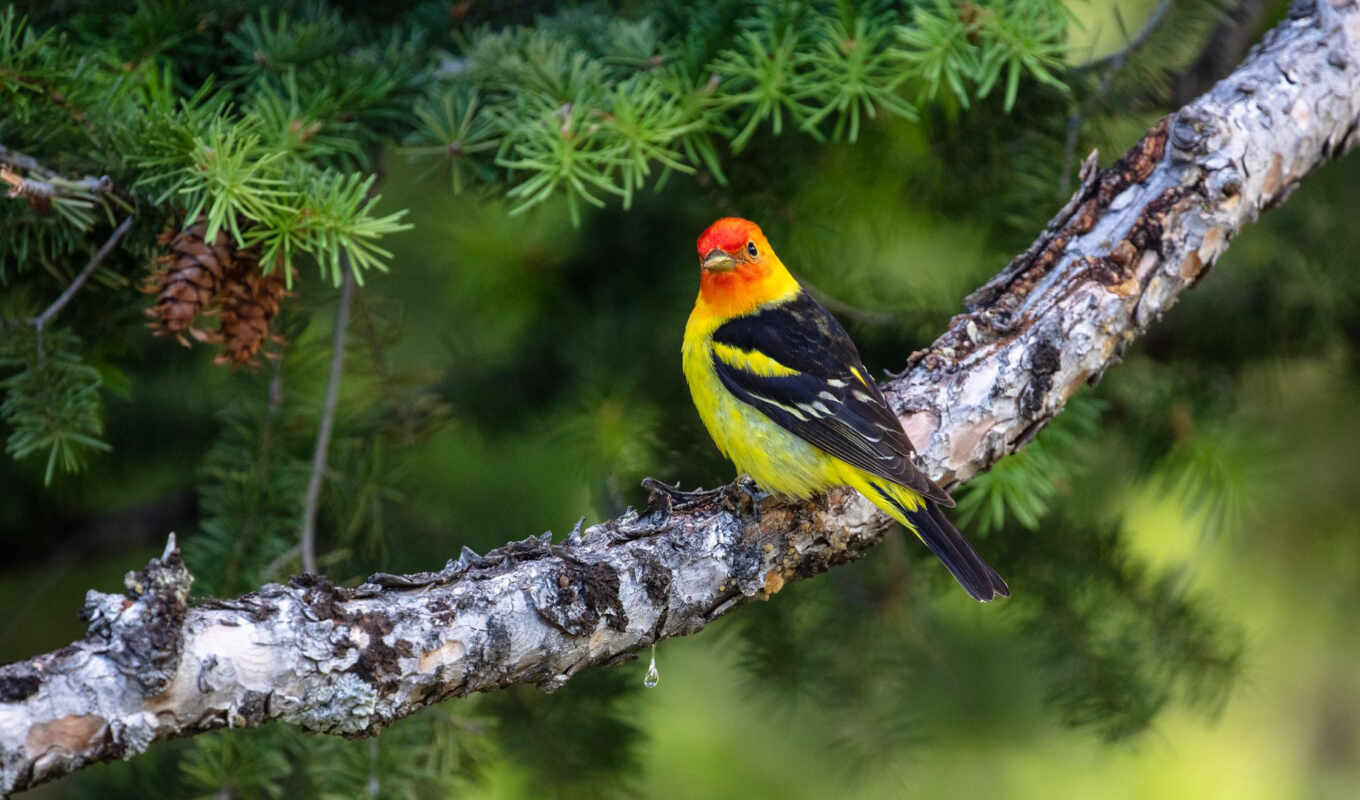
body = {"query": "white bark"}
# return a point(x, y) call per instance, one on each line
point(349, 661)
point(1130, 241)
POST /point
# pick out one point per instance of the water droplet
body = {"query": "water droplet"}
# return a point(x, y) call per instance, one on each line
point(653, 677)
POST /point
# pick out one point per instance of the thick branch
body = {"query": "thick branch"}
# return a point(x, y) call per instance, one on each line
point(349, 661)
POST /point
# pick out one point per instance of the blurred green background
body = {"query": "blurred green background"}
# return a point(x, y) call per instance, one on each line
point(1182, 544)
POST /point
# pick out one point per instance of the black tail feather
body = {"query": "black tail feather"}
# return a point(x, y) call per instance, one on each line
point(948, 545)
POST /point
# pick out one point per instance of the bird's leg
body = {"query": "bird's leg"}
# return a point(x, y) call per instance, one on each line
point(745, 489)
point(733, 496)
point(677, 495)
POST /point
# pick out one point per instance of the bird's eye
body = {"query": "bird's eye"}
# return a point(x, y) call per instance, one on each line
point(751, 249)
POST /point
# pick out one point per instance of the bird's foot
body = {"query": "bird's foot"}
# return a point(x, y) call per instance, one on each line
point(678, 496)
point(736, 496)
point(744, 491)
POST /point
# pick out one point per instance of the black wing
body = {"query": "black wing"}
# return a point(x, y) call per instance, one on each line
point(830, 401)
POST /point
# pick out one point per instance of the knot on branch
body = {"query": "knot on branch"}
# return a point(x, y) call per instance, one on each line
point(140, 631)
point(578, 595)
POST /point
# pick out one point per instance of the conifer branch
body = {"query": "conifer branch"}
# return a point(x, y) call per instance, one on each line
point(53, 186)
point(25, 162)
point(40, 321)
point(350, 661)
point(307, 539)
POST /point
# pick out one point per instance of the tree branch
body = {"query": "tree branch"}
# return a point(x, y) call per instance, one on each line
point(40, 321)
point(349, 661)
point(25, 162)
point(307, 539)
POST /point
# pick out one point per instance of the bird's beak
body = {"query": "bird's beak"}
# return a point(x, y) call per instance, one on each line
point(718, 261)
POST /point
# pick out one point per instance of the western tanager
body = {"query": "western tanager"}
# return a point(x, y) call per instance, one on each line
point(783, 393)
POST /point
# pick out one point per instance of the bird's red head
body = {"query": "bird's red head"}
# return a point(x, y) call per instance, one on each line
point(729, 234)
point(738, 270)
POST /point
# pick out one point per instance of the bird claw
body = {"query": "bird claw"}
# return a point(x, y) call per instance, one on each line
point(743, 488)
point(678, 496)
point(734, 496)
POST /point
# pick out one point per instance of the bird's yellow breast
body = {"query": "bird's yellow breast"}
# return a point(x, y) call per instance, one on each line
point(779, 461)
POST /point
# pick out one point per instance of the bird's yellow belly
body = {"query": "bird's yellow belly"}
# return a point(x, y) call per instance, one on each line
point(776, 459)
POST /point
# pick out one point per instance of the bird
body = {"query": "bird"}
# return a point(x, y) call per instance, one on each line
point(783, 392)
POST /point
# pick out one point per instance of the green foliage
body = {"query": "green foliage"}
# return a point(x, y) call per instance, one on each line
point(1120, 641)
point(451, 127)
point(969, 49)
point(853, 73)
point(543, 736)
point(435, 754)
point(278, 43)
point(648, 122)
point(309, 125)
point(237, 765)
point(1023, 486)
point(52, 403)
point(579, 107)
point(586, 111)
point(939, 51)
point(514, 373)
point(564, 151)
point(224, 172)
point(31, 62)
point(290, 171)
point(252, 480)
point(1021, 39)
point(220, 165)
point(1223, 475)
point(37, 238)
point(760, 77)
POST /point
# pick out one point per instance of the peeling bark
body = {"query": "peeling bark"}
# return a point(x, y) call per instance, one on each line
point(350, 661)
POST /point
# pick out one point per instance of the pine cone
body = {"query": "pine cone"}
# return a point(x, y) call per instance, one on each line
point(196, 279)
point(185, 281)
point(249, 302)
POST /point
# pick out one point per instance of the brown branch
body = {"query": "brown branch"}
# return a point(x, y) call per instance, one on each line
point(47, 183)
point(350, 661)
point(53, 186)
point(307, 539)
point(40, 321)
point(25, 162)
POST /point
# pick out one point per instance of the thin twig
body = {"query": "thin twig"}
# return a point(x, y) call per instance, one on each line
point(1239, 27)
point(51, 311)
point(307, 542)
point(847, 310)
point(25, 162)
point(1118, 57)
point(55, 186)
point(1115, 62)
point(271, 411)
